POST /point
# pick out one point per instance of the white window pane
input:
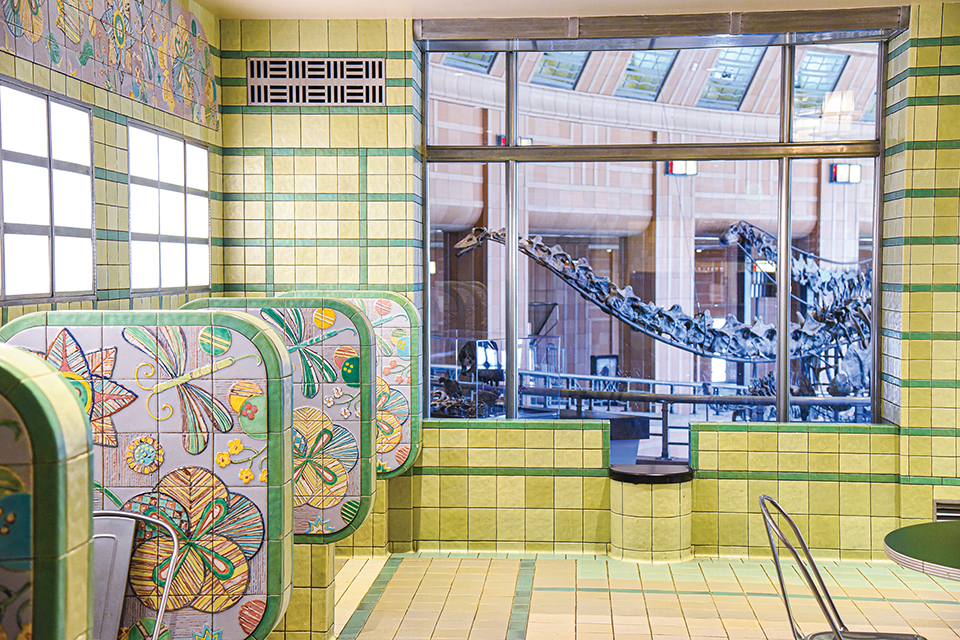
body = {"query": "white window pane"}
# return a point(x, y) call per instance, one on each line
point(198, 265)
point(26, 262)
point(171, 161)
point(173, 257)
point(26, 194)
point(70, 134)
point(72, 264)
point(23, 122)
point(143, 153)
point(144, 265)
point(197, 168)
point(144, 209)
point(171, 213)
point(198, 217)
point(72, 200)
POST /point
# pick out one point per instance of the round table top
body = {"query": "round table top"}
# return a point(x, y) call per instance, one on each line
point(931, 547)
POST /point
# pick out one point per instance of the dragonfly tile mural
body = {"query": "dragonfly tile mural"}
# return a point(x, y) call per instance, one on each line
point(182, 407)
point(154, 52)
point(332, 350)
point(396, 326)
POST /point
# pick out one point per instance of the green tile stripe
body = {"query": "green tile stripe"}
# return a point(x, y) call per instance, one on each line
point(904, 194)
point(318, 151)
point(791, 427)
point(931, 384)
point(911, 241)
point(262, 288)
point(921, 335)
point(315, 242)
point(110, 176)
point(949, 41)
point(920, 145)
point(389, 55)
point(520, 610)
point(510, 471)
point(322, 197)
point(921, 101)
point(113, 235)
point(110, 116)
point(359, 618)
point(919, 72)
point(802, 476)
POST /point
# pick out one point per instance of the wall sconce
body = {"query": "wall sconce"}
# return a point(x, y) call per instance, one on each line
point(845, 173)
point(681, 167)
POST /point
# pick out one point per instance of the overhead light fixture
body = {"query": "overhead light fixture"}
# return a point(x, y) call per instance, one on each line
point(846, 173)
point(681, 167)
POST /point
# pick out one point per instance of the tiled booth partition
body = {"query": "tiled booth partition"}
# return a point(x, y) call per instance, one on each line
point(190, 420)
point(45, 526)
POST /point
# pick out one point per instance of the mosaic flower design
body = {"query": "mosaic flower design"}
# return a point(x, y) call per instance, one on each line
point(219, 532)
point(144, 455)
point(323, 455)
point(88, 374)
point(393, 409)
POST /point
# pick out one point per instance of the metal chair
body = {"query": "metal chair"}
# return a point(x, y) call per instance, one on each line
point(811, 575)
point(113, 533)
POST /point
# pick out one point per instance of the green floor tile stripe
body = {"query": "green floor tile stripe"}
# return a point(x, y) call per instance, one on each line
point(359, 618)
point(520, 612)
point(745, 594)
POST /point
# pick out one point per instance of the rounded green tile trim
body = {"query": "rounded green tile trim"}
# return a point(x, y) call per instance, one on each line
point(334, 411)
point(46, 459)
point(191, 379)
point(388, 466)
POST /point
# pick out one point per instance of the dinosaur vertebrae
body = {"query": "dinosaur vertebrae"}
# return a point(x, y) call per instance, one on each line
point(845, 318)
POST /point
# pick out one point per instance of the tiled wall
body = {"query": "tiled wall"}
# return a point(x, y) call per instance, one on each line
point(46, 548)
point(817, 472)
point(111, 113)
point(322, 196)
point(488, 485)
point(650, 522)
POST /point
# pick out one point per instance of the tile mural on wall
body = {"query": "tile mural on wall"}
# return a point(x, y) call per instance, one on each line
point(152, 51)
point(331, 351)
point(396, 326)
point(180, 409)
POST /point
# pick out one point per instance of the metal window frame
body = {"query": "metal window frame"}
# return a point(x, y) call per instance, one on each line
point(160, 238)
point(664, 32)
point(52, 231)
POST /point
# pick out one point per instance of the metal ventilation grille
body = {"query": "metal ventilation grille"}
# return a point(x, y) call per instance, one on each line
point(946, 510)
point(315, 81)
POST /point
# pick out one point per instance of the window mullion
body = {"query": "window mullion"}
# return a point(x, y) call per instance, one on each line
point(53, 260)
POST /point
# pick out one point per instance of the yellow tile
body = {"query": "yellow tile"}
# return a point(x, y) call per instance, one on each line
point(373, 130)
point(255, 35)
point(284, 35)
point(372, 35)
point(342, 35)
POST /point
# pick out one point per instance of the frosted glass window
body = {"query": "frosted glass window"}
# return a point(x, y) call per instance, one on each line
point(144, 209)
point(26, 263)
point(72, 205)
point(143, 153)
point(171, 213)
point(198, 217)
point(23, 122)
point(144, 265)
point(171, 161)
point(72, 264)
point(198, 265)
point(70, 134)
point(198, 168)
point(26, 194)
point(173, 258)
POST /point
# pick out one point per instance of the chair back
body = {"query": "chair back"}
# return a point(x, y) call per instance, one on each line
point(805, 565)
point(113, 534)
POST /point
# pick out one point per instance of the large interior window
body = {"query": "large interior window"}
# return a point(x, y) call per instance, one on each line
point(46, 181)
point(663, 270)
point(169, 213)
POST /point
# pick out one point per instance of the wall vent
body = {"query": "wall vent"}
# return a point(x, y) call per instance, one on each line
point(334, 82)
point(946, 510)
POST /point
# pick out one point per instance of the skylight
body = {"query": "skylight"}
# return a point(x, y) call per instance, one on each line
point(729, 78)
point(645, 74)
point(816, 76)
point(559, 69)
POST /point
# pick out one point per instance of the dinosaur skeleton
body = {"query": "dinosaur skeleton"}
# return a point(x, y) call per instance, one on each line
point(837, 316)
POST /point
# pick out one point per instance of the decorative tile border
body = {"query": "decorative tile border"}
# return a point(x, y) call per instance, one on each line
point(189, 414)
point(399, 349)
point(331, 344)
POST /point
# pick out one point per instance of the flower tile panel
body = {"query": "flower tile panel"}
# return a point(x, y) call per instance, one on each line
point(180, 412)
point(16, 489)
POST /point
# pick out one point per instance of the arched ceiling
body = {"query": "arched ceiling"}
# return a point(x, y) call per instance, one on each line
point(378, 9)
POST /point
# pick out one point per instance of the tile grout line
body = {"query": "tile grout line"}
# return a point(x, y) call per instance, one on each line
point(520, 610)
point(359, 618)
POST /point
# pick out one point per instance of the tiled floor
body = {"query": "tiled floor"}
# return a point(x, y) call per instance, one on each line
point(517, 596)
